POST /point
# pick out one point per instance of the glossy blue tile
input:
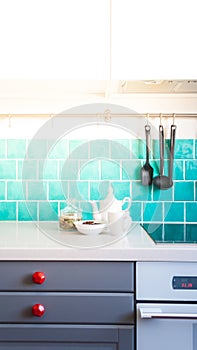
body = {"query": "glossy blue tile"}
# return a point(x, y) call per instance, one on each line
point(86, 209)
point(48, 211)
point(78, 149)
point(89, 170)
point(131, 169)
point(121, 189)
point(37, 149)
point(174, 233)
point(78, 190)
point(191, 230)
point(98, 189)
point(162, 195)
point(2, 148)
point(135, 211)
point(48, 169)
point(69, 169)
point(2, 189)
point(83, 189)
point(156, 149)
point(184, 149)
point(184, 191)
point(27, 211)
point(196, 149)
point(16, 190)
point(191, 170)
point(7, 211)
point(7, 169)
point(58, 190)
point(138, 149)
point(28, 169)
point(196, 190)
point(16, 148)
point(191, 212)
point(99, 149)
point(58, 149)
point(37, 190)
point(178, 170)
point(110, 170)
point(120, 149)
point(155, 231)
point(152, 212)
point(141, 193)
point(173, 212)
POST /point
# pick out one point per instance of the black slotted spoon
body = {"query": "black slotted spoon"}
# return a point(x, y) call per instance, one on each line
point(147, 170)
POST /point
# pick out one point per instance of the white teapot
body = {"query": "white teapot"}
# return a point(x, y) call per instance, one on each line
point(109, 204)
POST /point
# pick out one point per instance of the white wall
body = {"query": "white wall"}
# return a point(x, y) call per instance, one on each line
point(37, 99)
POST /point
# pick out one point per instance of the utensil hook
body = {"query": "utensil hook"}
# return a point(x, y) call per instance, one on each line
point(161, 115)
point(147, 118)
point(173, 116)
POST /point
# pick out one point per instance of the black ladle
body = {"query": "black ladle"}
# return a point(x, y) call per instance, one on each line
point(161, 181)
point(147, 170)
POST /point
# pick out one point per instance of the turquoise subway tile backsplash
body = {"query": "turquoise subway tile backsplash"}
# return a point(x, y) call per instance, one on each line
point(141, 193)
point(2, 190)
point(191, 170)
point(164, 196)
point(7, 211)
point(99, 149)
point(16, 190)
point(28, 169)
point(131, 169)
point(48, 211)
point(36, 178)
point(37, 149)
point(2, 148)
point(110, 170)
point(191, 212)
point(184, 149)
point(184, 191)
point(7, 169)
point(58, 190)
point(16, 149)
point(58, 150)
point(173, 212)
point(120, 149)
point(152, 212)
point(90, 170)
point(78, 149)
point(27, 211)
point(37, 190)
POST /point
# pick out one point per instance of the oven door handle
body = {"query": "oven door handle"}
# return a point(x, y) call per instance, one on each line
point(157, 313)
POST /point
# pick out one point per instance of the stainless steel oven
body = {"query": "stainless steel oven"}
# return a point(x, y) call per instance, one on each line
point(166, 306)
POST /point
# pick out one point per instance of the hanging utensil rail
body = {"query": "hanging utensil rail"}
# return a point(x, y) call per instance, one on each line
point(114, 115)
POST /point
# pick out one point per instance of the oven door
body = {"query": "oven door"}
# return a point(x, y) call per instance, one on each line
point(166, 326)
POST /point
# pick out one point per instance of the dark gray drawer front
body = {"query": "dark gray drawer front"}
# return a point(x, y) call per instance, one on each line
point(76, 308)
point(45, 337)
point(67, 276)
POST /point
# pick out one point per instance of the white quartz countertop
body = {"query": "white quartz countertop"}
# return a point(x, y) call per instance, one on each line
point(44, 241)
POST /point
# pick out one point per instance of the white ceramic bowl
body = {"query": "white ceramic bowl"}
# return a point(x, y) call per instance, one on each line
point(89, 227)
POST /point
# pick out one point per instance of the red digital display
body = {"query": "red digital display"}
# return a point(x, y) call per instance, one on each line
point(184, 282)
point(187, 285)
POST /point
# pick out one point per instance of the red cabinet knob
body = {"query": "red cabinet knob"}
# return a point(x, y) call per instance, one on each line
point(38, 310)
point(38, 277)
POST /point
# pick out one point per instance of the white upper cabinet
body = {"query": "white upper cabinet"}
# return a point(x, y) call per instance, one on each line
point(54, 39)
point(73, 39)
point(154, 39)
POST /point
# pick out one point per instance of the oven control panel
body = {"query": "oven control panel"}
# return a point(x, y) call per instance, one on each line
point(166, 280)
point(184, 282)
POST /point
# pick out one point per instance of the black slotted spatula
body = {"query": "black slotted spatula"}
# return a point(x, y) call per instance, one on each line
point(147, 170)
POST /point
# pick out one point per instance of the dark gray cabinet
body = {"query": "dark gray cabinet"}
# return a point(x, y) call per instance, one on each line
point(87, 305)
